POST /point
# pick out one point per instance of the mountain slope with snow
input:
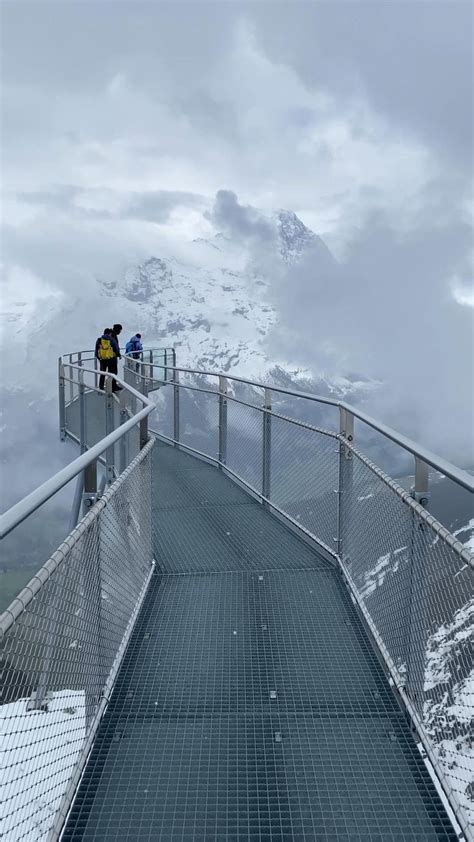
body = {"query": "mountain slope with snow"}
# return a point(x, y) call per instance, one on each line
point(211, 299)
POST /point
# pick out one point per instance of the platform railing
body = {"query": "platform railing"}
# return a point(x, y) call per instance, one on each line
point(298, 454)
point(411, 579)
point(63, 638)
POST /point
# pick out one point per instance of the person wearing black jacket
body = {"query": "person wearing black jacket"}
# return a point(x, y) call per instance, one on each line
point(116, 330)
point(107, 351)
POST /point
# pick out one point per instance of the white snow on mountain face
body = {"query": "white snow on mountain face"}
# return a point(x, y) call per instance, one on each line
point(208, 298)
point(217, 318)
point(212, 302)
point(294, 238)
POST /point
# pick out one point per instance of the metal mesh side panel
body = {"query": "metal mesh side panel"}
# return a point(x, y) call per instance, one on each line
point(304, 477)
point(244, 442)
point(57, 656)
point(199, 421)
point(418, 592)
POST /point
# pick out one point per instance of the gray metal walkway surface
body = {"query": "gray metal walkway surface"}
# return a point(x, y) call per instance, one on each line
point(250, 704)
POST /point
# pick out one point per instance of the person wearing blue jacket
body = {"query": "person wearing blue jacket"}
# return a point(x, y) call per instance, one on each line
point(134, 347)
point(107, 351)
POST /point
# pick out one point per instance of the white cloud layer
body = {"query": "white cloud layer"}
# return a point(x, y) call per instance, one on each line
point(122, 121)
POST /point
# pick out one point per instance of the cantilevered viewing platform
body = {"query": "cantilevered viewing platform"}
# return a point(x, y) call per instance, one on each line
point(253, 633)
point(250, 703)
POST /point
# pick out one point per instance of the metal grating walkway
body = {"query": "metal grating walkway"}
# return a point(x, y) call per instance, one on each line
point(250, 704)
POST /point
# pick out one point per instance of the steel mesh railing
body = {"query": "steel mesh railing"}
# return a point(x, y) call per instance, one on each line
point(61, 643)
point(199, 420)
point(244, 450)
point(412, 580)
point(304, 476)
point(415, 583)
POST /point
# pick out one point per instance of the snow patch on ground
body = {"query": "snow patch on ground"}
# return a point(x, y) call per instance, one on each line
point(444, 642)
point(386, 564)
point(467, 540)
point(448, 711)
point(38, 753)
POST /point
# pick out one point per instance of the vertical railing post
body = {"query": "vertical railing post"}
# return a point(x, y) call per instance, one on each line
point(71, 384)
point(144, 422)
point(416, 626)
point(176, 407)
point(126, 370)
point(267, 446)
point(421, 489)
point(123, 443)
point(151, 365)
point(82, 414)
point(222, 420)
point(165, 373)
point(96, 375)
point(344, 491)
point(62, 400)
point(109, 426)
point(77, 502)
point(90, 486)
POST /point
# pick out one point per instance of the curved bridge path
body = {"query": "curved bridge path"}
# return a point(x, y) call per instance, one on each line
point(250, 704)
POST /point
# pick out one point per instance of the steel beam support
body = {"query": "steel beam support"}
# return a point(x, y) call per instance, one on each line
point(222, 420)
point(267, 446)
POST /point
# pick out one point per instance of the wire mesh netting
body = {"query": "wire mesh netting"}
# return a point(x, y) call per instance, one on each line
point(58, 653)
point(410, 575)
point(199, 420)
point(418, 592)
point(100, 415)
point(245, 442)
point(250, 703)
point(304, 477)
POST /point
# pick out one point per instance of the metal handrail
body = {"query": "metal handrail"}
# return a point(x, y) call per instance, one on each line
point(21, 510)
point(458, 475)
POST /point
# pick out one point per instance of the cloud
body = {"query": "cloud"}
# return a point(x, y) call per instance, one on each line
point(149, 206)
point(240, 222)
point(360, 122)
point(387, 312)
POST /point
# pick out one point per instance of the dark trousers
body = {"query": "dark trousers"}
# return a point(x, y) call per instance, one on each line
point(111, 366)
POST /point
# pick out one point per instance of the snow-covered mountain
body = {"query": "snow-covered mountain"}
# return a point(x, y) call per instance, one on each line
point(210, 298)
point(214, 301)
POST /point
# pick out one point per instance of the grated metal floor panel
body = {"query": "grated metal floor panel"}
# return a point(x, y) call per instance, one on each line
point(250, 704)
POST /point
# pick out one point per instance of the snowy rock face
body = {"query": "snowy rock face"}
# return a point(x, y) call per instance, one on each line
point(294, 238)
point(214, 302)
point(211, 298)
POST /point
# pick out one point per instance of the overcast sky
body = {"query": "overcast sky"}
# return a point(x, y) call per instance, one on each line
point(124, 119)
